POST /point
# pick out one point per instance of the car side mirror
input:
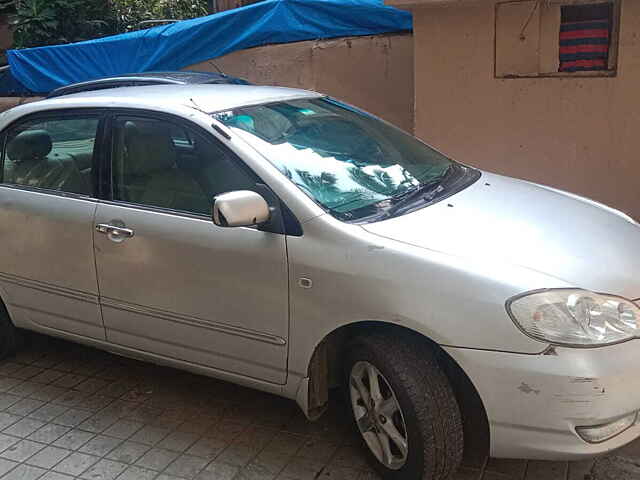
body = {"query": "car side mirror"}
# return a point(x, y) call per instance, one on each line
point(241, 208)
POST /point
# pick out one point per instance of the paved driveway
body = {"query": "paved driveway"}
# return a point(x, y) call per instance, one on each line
point(70, 412)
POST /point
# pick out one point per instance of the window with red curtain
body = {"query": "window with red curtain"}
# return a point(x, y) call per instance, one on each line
point(585, 37)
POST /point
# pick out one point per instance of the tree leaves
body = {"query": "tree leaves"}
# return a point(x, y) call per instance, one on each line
point(52, 22)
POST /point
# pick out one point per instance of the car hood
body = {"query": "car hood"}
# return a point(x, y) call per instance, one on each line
point(571, 238)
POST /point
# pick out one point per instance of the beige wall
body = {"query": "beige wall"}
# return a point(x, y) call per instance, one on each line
point(579, 134)
point(374, 73)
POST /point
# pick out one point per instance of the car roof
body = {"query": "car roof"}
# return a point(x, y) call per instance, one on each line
point(203, 97)
point(148, 78)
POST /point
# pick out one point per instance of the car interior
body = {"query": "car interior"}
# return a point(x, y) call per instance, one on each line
point(155, 163)
point(33, 159)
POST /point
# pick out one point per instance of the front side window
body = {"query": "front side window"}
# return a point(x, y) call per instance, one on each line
point(54, 154)
point(351, 163)
point(158, 163)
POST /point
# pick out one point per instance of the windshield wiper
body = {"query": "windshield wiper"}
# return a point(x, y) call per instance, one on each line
point(425, 192)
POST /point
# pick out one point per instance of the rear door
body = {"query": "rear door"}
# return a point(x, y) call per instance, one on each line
point(172, 283)
point(47, 204)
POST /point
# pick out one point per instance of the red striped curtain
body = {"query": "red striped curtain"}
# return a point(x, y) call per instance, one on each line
point(584, 45)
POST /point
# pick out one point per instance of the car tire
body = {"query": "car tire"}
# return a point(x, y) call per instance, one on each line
point(11, 338)
point(427, 419)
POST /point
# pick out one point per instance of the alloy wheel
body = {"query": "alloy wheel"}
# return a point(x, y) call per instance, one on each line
point(378, 415)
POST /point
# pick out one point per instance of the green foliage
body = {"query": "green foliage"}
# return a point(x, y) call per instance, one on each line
point(50, 22)
point(131, 13)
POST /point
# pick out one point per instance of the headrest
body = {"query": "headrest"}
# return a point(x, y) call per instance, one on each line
point(149, 150)
point(29, 145)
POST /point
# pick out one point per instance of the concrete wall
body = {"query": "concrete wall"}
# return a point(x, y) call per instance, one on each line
point(374, 73)
point(578, 134)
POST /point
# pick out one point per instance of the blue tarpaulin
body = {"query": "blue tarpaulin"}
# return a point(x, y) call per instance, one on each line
point(178, 45)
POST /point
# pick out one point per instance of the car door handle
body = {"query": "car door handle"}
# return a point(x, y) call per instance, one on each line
point(114, 231)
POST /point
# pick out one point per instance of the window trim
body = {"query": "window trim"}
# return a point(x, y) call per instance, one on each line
point(74, 113)
point(613, 68)
point(290, 224)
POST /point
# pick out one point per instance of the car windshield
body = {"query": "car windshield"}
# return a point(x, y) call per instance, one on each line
point(351, 163)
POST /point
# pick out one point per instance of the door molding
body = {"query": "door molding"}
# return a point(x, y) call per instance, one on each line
point(193, 321)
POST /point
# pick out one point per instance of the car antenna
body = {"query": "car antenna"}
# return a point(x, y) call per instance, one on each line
point(215, 126)
point(217, 68)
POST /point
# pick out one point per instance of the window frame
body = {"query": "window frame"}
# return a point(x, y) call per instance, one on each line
point(58, 114)
point(284, 221)
point(612, 70)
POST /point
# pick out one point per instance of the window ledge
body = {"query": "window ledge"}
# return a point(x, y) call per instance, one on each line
point(592, 74)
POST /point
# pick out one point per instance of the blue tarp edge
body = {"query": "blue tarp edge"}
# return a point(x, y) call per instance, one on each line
point(178, 45)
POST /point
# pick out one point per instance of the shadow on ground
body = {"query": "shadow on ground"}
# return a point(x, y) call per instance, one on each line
point(71, 412)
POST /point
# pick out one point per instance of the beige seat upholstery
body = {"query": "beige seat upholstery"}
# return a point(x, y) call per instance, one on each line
point(30, 162)
point(151, 176)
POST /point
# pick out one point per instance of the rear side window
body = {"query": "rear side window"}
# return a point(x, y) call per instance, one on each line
point(52, 154)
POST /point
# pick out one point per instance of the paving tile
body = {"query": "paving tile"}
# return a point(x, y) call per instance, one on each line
point(186, 466)
point(318, 450)
point(24, 427)
point(128, 452)
point(467, 474)
point(55, 476)
point(104, 470)
point(76, 463)
point(302, 469)
point(137, 473)
point(514, 469)
point(22, 450)
point(7, 465)
point(7, 419)
point(581, 469)
point(537, 470)
point(72, 417)
point(100, 445)
point(25, 472)
point(218, 471)
point(25, 406)
point(207, 448)
point(7, 384)
point(256, 472)
point(48, 412)
point(48, 393)
point(7, 399)
point(9, 367)
point(123, 429)
point(74, 439)
point(69, 380)
point(70, 398)
point(98, 423)
point(26, 388)
point(95, 402)
point(157, 459)
point(49, 433)
point(271, 461)
point(48, 457)
point(150, 435)
point(6, 441)
point(238, 455)
point(178, 441)
point(47, 376)
point(27, 372)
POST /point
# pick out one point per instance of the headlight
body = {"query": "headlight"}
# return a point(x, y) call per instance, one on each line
point(575, 317)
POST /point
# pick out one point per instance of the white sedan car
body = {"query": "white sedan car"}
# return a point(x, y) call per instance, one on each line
point(286, 241)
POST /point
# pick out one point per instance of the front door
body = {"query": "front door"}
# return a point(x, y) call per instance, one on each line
point(171, 282)
point(47, 203)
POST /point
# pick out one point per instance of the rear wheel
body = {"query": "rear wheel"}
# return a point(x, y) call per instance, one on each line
point(404, 408)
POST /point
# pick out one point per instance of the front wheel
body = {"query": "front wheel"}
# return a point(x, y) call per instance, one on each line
point(404, 408)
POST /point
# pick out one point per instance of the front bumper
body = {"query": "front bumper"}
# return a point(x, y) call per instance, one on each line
point(535, 402)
